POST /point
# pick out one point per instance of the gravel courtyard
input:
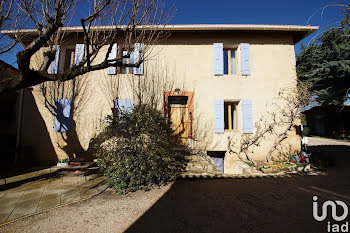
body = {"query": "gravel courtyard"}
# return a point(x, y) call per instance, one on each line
point(211, 205)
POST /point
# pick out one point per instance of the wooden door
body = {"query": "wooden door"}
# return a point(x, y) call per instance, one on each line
point(179, 118)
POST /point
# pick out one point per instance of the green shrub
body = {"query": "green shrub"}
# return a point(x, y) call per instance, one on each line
point(136, 151)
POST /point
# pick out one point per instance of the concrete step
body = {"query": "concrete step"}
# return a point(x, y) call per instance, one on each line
point(76, 166)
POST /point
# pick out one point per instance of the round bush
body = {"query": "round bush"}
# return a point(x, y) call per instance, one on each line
point(136, 151)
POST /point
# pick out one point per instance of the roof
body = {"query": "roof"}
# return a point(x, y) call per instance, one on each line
point(301, 31)
point(312, 105)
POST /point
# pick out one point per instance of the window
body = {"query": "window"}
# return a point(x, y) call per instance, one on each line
point(219, 158)
point(230, 61)
point(69, 59)
point(231, 116)
point(130, 60)
point(180, 100)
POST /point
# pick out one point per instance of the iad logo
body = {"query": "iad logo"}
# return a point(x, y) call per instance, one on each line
point(333, 204)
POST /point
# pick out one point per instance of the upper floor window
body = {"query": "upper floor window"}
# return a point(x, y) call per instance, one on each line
point(65, 57)
point(130, 55)
point(226, 62)
point(130, 60)
point(230, 61)
point(69, 59)
point(68, 56)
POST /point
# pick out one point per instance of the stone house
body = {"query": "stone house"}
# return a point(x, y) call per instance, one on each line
point(211, 81)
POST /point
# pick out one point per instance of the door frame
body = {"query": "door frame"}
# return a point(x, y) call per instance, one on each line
point(166, 108)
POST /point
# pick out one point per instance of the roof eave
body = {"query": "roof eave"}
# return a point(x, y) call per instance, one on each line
point(303, 30)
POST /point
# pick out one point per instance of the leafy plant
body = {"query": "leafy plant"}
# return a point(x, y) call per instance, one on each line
point(136, 151)
point(249, 163)
point(64, 160)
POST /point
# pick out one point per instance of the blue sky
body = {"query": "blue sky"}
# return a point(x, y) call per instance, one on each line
point(296, 12)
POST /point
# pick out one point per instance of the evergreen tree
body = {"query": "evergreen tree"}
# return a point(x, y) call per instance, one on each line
point(324, 66)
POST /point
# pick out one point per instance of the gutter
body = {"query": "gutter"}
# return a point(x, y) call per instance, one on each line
point(184, 27)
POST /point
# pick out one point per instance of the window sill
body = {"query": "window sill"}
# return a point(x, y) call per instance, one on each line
point(230, 75)
point(231, 131)
point(227, 76)
point(131, 74)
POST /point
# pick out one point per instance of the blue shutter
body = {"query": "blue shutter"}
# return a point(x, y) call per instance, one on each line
point(138, 55)
point(245, 58)
point(112, 55)
point(79, 53)
point(247, 116)
point(53, 69)
point(219, 122)
point(63, 115)
point(218, 58)
point(124, 105)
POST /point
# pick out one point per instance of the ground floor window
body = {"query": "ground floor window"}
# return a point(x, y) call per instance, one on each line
point(231, 116)
point(218, 158)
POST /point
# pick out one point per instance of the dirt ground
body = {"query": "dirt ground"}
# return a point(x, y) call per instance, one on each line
point(217, 205)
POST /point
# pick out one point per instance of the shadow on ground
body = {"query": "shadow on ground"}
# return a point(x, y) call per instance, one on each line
point(20, 182)
point(331, 156)
point(249, 205)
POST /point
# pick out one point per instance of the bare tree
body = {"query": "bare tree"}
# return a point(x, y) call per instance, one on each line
point(150, 88)
point(102, 23)
point(6, 11)
point(283, 118)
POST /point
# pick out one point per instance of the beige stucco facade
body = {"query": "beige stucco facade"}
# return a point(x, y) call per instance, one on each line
point(184, 61)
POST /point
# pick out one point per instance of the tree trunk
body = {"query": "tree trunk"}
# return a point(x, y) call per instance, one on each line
point(10, 77)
